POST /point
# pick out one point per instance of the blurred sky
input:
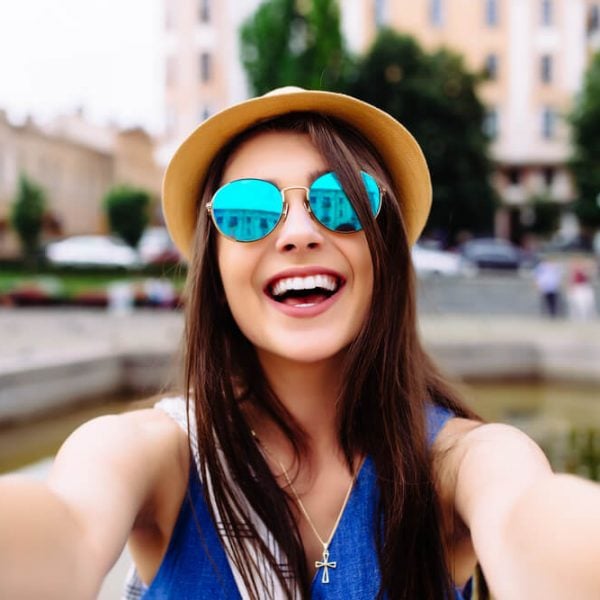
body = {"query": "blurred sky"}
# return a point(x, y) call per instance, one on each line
point(102, 55)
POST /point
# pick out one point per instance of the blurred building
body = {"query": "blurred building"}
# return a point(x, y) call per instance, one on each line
point(203, 71)
point(75, 163)
point(533, 51)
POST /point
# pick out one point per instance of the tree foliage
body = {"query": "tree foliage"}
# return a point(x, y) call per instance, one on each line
point(435, 97)
point(544, 216)
point(27, 215)
point(127, 210)
point(585, 162)
point(294, 42)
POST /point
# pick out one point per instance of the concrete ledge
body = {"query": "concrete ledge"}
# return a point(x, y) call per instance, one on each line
point(495, 347)
point(489, 360)
point(39, 390)
point(50, 360)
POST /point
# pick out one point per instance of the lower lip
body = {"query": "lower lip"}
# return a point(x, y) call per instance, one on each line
point(312, 310)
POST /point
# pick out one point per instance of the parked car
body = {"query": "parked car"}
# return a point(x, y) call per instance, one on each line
point(494, 253)
point(429, 261)
point(92, 250)
point(156, 247)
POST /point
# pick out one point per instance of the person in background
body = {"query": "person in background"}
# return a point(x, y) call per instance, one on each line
point(548, 278)
point(581, 299)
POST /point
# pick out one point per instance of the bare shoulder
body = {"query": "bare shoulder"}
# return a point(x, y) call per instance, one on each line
point(111, 469)
point(460, 439)
point(125, 438)
point(480, 464)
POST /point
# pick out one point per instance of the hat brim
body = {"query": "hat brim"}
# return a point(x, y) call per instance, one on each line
point(400, 152)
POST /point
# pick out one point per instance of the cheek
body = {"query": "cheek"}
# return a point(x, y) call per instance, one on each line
point(359, 257)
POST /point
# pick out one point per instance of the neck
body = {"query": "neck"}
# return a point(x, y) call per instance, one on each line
point(309, 392)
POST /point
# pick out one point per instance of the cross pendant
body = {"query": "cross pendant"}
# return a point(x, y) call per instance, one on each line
point(326, 565)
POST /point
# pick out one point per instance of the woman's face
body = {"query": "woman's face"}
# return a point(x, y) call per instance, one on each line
point(314, 323)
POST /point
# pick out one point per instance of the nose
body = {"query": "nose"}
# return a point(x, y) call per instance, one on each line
point(298, 231)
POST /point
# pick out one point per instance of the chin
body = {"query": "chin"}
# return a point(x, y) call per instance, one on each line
point(307, 350)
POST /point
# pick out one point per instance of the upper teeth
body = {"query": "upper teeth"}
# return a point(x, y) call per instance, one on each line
point(326, 282)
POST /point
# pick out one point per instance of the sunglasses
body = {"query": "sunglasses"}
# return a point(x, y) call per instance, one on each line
point(247, 210)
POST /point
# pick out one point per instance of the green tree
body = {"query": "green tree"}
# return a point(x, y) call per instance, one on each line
point(127, 209)
point(585, 161)
point(27, 215)
point(294, 42)
point(434, 95)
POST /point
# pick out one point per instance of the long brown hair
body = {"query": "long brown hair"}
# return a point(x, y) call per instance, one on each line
point(388, 382)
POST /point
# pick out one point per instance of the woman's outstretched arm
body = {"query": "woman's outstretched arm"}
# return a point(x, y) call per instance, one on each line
point(58, 539)
point(536, 534)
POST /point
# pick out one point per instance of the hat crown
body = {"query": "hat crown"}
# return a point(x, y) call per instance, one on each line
point(287, 89)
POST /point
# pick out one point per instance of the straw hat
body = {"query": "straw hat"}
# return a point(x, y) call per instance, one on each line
point(187, 169)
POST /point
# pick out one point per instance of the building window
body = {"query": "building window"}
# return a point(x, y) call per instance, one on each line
point(171, 71)
point(546, 68)
point(204, 112)
point(380, 13)
point(491, 13)
point(490, 123)
point(548, 123)
point(171, 120)
point(436, 16)
point(491, 67)
point(514, 176)
point(549, 174)
point(204, 11)
point(594, 19)
point(547, 12)
point(205, 67)
point(169, 18)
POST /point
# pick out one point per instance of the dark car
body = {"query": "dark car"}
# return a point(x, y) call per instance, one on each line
point(494, 253)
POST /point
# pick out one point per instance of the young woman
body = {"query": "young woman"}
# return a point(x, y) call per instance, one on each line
point(316, 451)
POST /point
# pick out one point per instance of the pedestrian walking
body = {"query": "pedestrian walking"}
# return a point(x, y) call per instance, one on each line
point(548, 277)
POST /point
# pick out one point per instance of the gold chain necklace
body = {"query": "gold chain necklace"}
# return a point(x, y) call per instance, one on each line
point(324, 564)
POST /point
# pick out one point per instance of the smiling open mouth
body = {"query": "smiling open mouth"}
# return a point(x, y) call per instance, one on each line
point(304, 291)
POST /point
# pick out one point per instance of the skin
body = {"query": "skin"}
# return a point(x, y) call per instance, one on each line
point(297, 242)
point(536, 534)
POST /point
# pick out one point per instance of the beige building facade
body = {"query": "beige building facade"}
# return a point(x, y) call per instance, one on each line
point(203, 71)
point(534, 51)
point(75, 163)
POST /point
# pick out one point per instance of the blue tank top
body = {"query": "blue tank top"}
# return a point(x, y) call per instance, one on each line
point(196, 565)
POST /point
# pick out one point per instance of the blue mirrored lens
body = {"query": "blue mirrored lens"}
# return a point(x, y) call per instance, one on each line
point(248, 209)
point(373, 192)
point(332, 207)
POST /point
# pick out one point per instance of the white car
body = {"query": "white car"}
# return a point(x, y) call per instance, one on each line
point(92, 250)
point(428, 261)
point(156, 246)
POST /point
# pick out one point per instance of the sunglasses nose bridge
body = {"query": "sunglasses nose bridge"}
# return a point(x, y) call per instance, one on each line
point(286, 203)
point(295, 187)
